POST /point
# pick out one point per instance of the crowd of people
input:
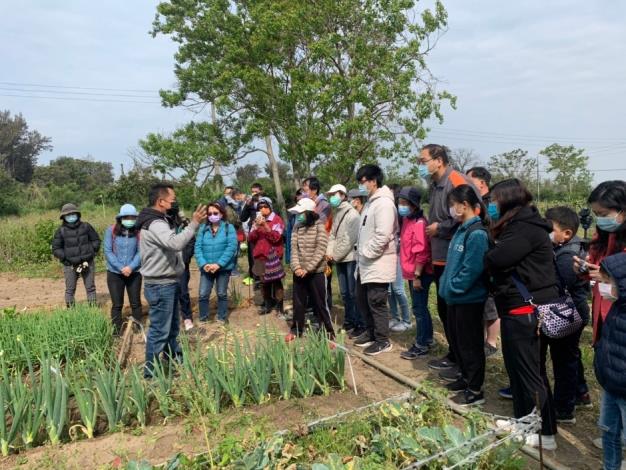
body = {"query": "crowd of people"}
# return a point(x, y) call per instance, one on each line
point(494, 259)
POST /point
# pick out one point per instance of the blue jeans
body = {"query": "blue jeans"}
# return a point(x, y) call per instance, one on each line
point(423, 321)
point(397, 296)
point(613, 424)
point(164, 323)
point(220, 279)
point(185, 301)
point(347, 288)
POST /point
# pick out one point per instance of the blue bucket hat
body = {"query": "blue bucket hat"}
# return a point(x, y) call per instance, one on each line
point(127, 210)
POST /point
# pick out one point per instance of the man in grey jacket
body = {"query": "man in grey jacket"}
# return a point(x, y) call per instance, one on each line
point(434, 167)
point(161, 267)
point(340, 252)
point(377, 259)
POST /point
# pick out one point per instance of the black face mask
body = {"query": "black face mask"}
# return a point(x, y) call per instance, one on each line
point(173, 211)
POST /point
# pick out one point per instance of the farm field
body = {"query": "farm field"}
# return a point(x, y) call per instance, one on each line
point(162, 439)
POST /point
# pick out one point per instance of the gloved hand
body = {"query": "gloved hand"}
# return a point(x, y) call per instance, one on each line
point(82, 267)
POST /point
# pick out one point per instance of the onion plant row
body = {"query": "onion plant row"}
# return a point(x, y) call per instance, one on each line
point(53, 401)
point(69, 334)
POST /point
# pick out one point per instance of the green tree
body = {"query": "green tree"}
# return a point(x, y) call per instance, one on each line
point(19, 147)
point(85, 174)
point(334, 82)
point(199, 150)
point(569, 164)
point(133, 186)
point(245, 175)
point(11, 195)
point(514, 164)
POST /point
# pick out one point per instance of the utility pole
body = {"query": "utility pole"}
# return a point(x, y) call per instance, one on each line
point(538, 180)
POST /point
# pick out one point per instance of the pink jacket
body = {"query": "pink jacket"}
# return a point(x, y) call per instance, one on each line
point(414, 247)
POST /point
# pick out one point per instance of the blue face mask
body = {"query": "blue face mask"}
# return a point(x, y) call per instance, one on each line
point(301, 218)
point(608, 224)
point(362, 189)
point(129, 223)
point(423, 171)
point(72, 218)
point(403, 211)
point(493, 211)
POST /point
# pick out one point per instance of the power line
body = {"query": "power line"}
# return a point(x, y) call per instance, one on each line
point(80, 99)
point(86, 93)
point(476, 133)
point(78, 87)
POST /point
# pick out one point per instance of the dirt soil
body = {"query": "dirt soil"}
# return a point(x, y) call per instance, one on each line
point(158, 443)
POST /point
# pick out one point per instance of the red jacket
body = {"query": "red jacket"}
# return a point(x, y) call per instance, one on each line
point(599, 306)
point(271, 236)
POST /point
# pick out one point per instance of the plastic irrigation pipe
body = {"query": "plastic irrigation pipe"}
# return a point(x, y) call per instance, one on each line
point(528, 450)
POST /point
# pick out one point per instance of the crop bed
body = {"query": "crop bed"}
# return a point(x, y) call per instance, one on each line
point(52, 399)
point(388, 436)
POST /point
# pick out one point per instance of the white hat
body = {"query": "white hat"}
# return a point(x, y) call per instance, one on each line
point(337, 187)
point(304, 204)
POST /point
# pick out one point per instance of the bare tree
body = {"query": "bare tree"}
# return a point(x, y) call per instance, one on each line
point(463, 159)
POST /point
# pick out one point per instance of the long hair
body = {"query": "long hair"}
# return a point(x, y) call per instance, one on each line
point(310, 218)
point(610, 195)
point(466, 193)
point(511, 196)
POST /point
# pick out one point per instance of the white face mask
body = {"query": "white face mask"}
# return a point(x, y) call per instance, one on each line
point(552, 238)
point(454, 214)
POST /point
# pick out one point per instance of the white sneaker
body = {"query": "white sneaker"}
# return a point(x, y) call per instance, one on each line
point(506, 425)
point(399, 327)
point(392, 323)
point(188, 325)
point(547, 442)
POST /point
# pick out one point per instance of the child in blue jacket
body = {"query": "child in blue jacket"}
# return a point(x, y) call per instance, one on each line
point(121, 250)
point(215, 252)
point(465, 291)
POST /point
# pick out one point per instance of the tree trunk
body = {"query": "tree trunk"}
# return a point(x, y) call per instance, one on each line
point(280, 201)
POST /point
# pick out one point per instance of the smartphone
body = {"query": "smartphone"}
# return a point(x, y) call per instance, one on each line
point(583, 269)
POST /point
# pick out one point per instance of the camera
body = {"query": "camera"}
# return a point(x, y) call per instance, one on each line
point(586, 219)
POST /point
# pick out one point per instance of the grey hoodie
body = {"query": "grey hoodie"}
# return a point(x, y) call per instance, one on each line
point(161, 249)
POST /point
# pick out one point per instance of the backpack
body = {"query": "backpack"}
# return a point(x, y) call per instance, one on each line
point(232, 218)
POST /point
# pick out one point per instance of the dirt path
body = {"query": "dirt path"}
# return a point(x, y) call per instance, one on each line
point(160, 442)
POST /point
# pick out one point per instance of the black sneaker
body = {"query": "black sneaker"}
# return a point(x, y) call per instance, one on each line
point(565, 418)
point(441, 364)
point(584, 401)
point(378, 347)
point(364, 340)
point(358, 331)
point(414, 352)
point(469, 398)
point(506, 393)
point(490, 350)
point(457, 386)
point(450, 375)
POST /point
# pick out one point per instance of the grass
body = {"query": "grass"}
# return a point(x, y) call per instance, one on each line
point(66, 334)
point(25, 241)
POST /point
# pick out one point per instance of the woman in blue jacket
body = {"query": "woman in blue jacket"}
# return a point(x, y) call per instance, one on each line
point(121, 250)
point(215, 252)
point(465, 291)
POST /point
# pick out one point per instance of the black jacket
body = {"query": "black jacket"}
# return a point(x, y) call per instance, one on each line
point(525, 247)
point(248, 213)
point(610, 358)
point(578, 287)
point(74, 243)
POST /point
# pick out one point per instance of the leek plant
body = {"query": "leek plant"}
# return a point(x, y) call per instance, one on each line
point(55, 396)
point(87, 403)
point(161, 386)
point(111, 387)
point(139, 398)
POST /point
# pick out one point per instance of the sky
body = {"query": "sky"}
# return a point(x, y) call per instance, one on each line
point(526, 74)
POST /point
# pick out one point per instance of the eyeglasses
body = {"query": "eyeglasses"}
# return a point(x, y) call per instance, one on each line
point(213, 213)
point(425, 161)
